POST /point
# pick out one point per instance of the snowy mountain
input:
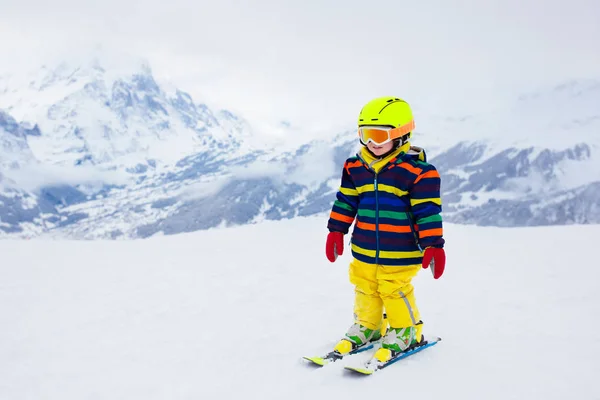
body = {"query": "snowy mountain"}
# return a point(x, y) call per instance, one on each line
point(96, 132)
point(92, 117)
point(101, 154)
point(228, 314)
point(18, 207)
point(521, 187)
point(541, 166)
point(14, 148)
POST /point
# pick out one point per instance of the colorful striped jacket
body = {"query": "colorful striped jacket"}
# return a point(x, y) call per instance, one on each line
point(397, 209)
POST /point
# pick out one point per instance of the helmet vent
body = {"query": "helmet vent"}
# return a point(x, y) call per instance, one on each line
point(389, 102)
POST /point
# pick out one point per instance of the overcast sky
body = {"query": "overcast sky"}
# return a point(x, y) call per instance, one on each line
point(318, 61)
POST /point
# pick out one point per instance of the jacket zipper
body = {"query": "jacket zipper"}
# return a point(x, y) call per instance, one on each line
point(376, 219)
point(376, 206)
point(408, 214)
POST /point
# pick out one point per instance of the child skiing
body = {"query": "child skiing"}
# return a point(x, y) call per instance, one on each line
point(394, 195)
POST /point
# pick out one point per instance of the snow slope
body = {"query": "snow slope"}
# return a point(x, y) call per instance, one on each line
point(227, 313)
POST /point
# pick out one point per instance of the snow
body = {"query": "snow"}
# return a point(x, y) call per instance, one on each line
point(228, 313)
point(90, 136)
point(475, 199)
point(313, 167)
point(571, 175)
point(75, 108)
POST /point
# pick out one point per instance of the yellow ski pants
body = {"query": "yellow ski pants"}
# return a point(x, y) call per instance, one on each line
point(378, 287)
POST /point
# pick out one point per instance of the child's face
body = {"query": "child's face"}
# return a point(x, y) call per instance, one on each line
point(380, 149)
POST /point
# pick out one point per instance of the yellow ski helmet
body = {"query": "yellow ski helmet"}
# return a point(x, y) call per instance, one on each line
point(387, 111)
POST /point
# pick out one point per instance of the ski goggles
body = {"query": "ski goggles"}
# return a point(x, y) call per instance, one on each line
point(380, 135)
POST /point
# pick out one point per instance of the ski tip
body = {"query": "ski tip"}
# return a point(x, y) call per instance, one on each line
point(362, 371)
point(320, 361)
point(433, 339)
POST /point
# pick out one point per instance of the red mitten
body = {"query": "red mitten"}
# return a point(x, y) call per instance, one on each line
point(334, 246)
point(436, 259)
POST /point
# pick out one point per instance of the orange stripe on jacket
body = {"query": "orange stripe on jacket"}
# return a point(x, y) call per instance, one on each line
point(353, 164)
point(341, 217)
point(431, 232)
point(383, 227)
point(410, 168)
point(429, 174)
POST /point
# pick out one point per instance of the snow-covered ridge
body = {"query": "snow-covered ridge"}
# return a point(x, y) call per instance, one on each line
point(118, 155)
point(90, 116)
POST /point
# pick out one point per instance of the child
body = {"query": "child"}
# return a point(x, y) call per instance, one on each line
point(394, 194)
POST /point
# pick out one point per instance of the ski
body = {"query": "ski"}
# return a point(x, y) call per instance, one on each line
point(334, 356)
point(373, 364)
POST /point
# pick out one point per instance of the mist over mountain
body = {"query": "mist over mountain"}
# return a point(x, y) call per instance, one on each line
point(87, 151)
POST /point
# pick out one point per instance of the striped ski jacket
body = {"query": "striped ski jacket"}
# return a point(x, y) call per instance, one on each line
point(397, 209)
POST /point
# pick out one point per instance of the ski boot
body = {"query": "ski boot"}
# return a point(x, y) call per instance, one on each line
point(357, 336)
point(398, 340)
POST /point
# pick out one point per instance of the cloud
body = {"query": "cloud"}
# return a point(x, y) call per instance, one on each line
point(308, 169)
point(202, 190)
point(316, 62)
point(35, 176)
point(313, 167)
